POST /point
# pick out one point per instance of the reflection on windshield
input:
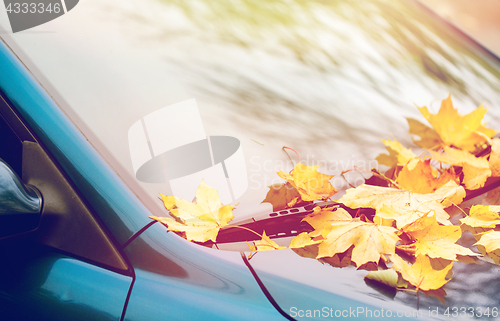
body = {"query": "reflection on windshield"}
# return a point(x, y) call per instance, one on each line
point(323, 76)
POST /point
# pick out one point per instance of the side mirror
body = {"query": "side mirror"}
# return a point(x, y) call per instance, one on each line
point(20, 205)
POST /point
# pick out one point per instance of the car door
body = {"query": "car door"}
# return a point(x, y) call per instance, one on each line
point(69, 267)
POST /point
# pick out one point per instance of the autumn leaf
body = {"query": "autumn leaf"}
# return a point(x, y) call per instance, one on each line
point(379, 179)
point(421, 274)
point(449, 194)
point(322, 218)
point(310, 184)
point(398, 154)
point(489, 244)
point(387, 215)
point(438, 294)
point(428, 137)
point(201, 220)
point(476, 169)
point(265, 244)
point(465, 132)
point(494, 160)
point(339, 260)
point(282, 196)
point(388, 277)
point(309, 251)
point(340, 231)
point(404, 206)
point(421, 177)
point(434, 240)
point(307, 244)
point(482, 216)
point(302, 240)
point(371, 241)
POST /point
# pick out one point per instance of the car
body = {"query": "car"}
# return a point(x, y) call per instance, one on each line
point(111, 104)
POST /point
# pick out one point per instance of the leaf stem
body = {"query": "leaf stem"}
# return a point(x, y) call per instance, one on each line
point(372, 172)
point(298, 156)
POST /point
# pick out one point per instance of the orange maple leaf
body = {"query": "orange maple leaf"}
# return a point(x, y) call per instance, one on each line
point(265, 244)
point(421, 177)
point(321, 218)
point(436, 241)
point(404, 206)
point(428, 137)
point(421, 273)
point(476, 169)
point(201, 220)
point(371, 241)
point(482, 216)
point(311, 184)
point(489, 244)
point(282, 196)
point(398, 154)
point(465, 132)
point(494, 160)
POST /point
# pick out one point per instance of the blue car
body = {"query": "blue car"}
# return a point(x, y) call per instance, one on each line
point(111, 104)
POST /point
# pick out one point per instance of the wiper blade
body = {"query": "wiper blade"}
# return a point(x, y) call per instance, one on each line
point(280, 224)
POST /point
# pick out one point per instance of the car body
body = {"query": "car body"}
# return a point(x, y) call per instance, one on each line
point(329, 84)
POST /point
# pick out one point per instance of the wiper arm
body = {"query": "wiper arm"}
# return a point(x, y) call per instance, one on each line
point(284, 223)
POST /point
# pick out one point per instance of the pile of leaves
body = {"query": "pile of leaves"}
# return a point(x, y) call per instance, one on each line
point(409, 242)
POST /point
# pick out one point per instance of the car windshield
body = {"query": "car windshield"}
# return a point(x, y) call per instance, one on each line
point(172, 92)
point(329, 80)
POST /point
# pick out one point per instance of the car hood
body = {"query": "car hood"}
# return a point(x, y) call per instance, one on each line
point(306, 289)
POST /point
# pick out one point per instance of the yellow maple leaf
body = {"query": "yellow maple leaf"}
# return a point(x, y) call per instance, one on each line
point(371, 241)
point(404, 206)
point(449, 194)
point(201, 220)
point(398, 154)
point(265, 244)
point(387, 215)
point(302, 240)
point(311, 184)
point(429, 139)
point(494, 160)
point(421, 178)
point(489, 244)
point(388, 277)
point(282, 196)
point(340, 260)
point(421, 274)
point(462, 131)
point(476, 169)
point(321, 218)
point(482, 216)
point(306, 244)
point(436, 241)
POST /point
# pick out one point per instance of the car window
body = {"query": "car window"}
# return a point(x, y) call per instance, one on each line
point(326, 79)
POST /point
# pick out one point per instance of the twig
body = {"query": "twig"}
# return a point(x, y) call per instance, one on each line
point(372, 172)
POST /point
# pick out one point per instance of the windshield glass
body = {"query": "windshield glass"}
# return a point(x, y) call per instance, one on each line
point(154, 80)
